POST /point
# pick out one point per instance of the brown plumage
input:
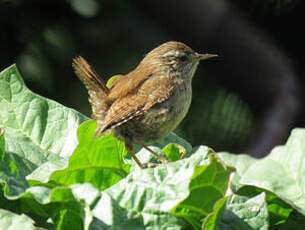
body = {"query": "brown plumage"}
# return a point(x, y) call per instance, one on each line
point(150, 101)
point(97, 89)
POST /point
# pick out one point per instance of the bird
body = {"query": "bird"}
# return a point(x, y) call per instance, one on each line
point(149, 102)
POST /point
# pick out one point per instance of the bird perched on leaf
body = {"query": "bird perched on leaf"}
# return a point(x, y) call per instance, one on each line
point(146, 104)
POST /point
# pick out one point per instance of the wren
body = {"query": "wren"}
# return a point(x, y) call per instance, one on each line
point(146, 104)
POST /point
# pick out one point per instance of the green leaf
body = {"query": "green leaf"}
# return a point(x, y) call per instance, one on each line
point(41, 175)
point(12, 221)
point(281, 173)
point(295, 221)
point(153, 198)
point(72, 213)
point(36, 130)
point(33, 123)
point(215, 217)
point(13, 169)
point(209, 183)
point(278, 210)
point(173, 138)
point(239, 212)
point(145, 156)
point(96, 161)
point(68, 207)
point(174, 152)
point(248, 213)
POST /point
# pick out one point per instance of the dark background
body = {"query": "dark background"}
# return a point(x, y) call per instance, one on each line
point(246, 100)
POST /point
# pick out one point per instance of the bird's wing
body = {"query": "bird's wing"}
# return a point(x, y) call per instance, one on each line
point(154, 90)
point(97, 89)
point(127, 84)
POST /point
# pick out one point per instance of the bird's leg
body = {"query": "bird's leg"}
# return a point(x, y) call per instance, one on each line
point(128, 146)
point(160, 158)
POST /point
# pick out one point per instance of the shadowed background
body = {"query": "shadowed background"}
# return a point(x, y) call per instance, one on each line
point(246, 100)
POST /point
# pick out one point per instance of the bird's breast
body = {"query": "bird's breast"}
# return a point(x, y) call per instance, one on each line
point(164, 117)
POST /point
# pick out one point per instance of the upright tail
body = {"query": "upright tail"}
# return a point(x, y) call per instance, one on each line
point(97, 89)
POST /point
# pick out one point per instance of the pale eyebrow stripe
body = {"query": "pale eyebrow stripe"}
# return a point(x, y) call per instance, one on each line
point(172, 53)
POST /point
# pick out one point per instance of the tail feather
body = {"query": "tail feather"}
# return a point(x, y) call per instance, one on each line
point(88, 75)
point(97, 89)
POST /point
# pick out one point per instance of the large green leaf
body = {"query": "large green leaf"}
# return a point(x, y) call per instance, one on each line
point(281, 172)
point(211, 220)
point(36, 130)
point(209, 184)
point(96, 161)
point(34, 123)
point(144, 199)
point(64, 207)
point(162, 197)
point(239, 212)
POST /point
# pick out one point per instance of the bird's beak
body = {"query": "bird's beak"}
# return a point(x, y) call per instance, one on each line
point(200, 57)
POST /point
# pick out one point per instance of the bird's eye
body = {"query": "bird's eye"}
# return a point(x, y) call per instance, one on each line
point(183, 58)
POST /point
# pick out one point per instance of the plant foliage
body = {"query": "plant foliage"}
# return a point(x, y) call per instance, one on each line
point(55, 175)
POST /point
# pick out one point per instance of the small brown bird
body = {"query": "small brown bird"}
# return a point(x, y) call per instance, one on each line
point(146, 104)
